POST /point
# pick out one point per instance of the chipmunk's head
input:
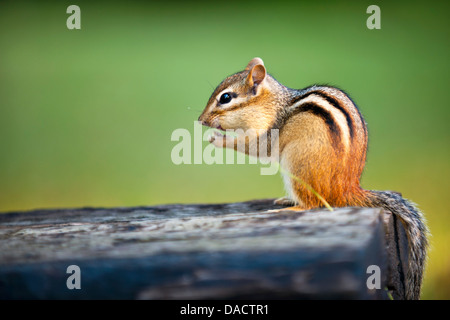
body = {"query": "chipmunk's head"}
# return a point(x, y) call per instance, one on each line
point(244, 100)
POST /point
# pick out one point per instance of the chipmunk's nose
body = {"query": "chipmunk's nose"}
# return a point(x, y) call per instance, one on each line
point(201, 121)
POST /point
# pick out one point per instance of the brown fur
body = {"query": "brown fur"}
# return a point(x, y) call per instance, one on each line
point(305, 142)
point(322, 142)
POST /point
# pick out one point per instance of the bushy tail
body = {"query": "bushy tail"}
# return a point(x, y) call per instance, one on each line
point(416, 230)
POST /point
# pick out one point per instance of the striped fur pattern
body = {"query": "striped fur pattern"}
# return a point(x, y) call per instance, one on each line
point(416, 230)
point(322, 140)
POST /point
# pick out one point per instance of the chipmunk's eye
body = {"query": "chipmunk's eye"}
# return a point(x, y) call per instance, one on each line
point(225, 98)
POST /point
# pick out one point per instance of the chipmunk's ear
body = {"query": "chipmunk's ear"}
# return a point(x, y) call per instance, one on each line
point(257, 72)
point(254, 62)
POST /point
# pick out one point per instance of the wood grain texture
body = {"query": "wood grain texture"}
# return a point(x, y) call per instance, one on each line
point(198, 251)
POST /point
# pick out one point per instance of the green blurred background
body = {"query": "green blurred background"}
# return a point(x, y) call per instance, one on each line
point(86, 115)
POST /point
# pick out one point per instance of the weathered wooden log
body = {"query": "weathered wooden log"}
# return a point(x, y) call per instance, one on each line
point(201, 251)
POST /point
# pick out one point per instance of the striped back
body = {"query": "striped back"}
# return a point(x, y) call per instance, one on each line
point(347, 132)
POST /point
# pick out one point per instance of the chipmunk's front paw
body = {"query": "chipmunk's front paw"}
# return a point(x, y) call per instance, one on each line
point(216, 139)
point(220, 140)
point(284, 202)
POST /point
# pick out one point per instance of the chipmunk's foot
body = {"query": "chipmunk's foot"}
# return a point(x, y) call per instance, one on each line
point(294, 208)
point(285, 201)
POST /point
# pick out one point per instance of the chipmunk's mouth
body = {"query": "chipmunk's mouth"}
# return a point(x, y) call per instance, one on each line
point(210, 125)
point(218, 130)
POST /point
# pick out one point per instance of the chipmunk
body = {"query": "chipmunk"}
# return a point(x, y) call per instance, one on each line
point(322, 140)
